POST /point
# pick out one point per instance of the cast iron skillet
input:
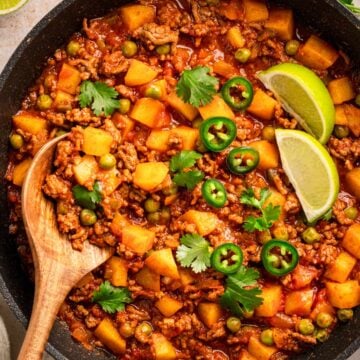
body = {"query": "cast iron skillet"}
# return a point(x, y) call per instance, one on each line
point(326, 16)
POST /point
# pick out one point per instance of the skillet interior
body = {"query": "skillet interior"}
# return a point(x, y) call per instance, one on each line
point(327, 16)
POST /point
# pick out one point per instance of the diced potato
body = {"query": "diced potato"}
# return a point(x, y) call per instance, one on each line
point(107, 333)
point(186, 277)
point(340, 115)
point(163, 263)
point(205, 222)
point(139, 73)
point(29, 123)
point(235, 38)
point(281, 21)
point(110, 180)
point(218, 107)
point(69, 79)
point(341, 90)
point(116, 270)
point(188, 136)
point(163, 348)
point(299, 302)
point(209, 313)
point(231, 10)
point(269, 154)
point(85, 171)
point(255, 10)
point(150, 112)
point(303, 276)
point(262, 105)
point(348, 115)
point(118, 223)
point(123, 123)
point(148, 176)
point(134, 16)
point(225, 69)
point(352, 180)
point(351, 241)
point(344, 295)
point(20, 171)
point(340, 269)
point(148, 279)
point(317, 53)
point(259, 350)
point(158, 140)
point(168, 306)
point(137, 238)
point(63, 101)
point(277, 199)
point(322, 306)
point(96, 141)
point(272, 296)
point(245, 355)
point(187, 110)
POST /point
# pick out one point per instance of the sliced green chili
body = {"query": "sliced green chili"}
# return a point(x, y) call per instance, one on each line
point(213, 191)
point(227, 258)
point(217, 133)
point(238, 93)
point(279, 257)
point(242, 160)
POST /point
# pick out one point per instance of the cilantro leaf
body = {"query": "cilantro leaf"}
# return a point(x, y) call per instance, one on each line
point(237, 297)
point(194, 252)
point(196, 86)
point(101, 97)
point(85, 198)
point(111, 298)
point(184, 159)
point(269, 214)
point(188, 179)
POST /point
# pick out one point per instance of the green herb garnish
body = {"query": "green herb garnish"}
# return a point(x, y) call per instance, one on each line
point(85, 198)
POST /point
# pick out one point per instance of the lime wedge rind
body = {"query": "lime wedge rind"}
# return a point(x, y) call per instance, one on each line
point(313, 175)
point(8, 6)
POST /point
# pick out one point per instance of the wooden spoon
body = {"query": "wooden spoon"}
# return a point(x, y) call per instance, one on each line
point(58, 268)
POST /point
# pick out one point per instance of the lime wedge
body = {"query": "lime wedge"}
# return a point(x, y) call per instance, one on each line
point(8, 6)
point(311, 171)
point(303, 95)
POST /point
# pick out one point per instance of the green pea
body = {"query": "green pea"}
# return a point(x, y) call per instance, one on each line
point(73, 48)
point(306, 327)
point(321, 335)
point(145, 328)
point(170, 190)
point(151, 205)
point(197, 122)
point(60, 132)
point(357, 100)
point(266, 337)
point(87, 217)
point(351, 212)
point(243, 55)
point(324, 320)
point(16, 141)
point(165, 215)
point(341, 131)
point(310, 235)
point(129, 48)
point(345, 314)
point(124, 106)
point(268, 133)
point(163, 49)
point(44, 102)
point(154, 217)
point(153, 91)
point(233, 324)
point(291, 47)
point(126, 330)
point(107, 161)
point(248, 314)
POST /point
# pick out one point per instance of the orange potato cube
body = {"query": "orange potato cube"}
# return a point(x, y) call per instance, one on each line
point(107, 333)
point(110, 180)
point(69, 79)
point(96, 141)
point(262, 105)
point(29, 123)
point(148, 279)
point(188, 136)
point(269, 154)
point(303, 276)
point(163, 263)
point(148, 176)
point(186, 277)
point(340, 115)
point(255, 10)
point(116, 270)
point(63, 101)
point(205, 222)
point(209, 313)
point(341, 90)
point(139, 73)
point(351, 241)
point(123, 123)
point(86, 170)
point(225, 69)
point(344, 295)
point(281, 21)
point(20, 171)
point(277, 199)
point(235, 38)
point(272, 296)
point(217, 107)
point(134, 16)
point(317, 53)
point(340, 269)
point(231, 10)
point(149, 112)
point(352, 180)
point(299, 302)
point(137, 238)
point(187, 110)
point(158, 140)
point(168, 306)
point(245, 355)
point(348, 115)
point(163, 348)
point(118, 223)
point(259, 350)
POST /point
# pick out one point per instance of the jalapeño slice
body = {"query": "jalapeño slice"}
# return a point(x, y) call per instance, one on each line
point(238, 93)
point(227, 258)
point(214, 193)
point(242, 160)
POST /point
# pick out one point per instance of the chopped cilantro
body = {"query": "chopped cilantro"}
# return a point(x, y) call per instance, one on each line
point(85, 198)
